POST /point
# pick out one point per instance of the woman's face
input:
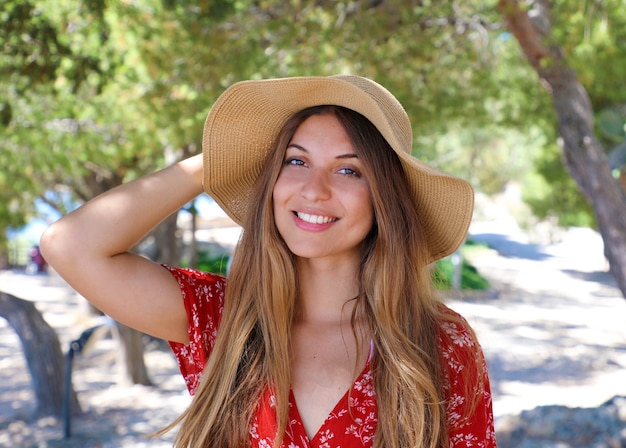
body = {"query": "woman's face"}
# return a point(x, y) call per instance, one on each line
point(322, 202)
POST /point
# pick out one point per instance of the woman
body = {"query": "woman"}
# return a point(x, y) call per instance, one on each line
point(329, 333)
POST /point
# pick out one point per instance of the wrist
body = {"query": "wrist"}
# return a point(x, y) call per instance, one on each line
point(193, 167)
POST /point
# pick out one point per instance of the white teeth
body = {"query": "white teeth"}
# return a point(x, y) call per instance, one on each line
point(315, 219)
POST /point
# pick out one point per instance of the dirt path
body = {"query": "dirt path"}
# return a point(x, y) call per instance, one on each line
point(552, 329)
point(116, 415)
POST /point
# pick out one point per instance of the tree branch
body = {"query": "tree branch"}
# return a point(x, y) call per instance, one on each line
point(529, 36)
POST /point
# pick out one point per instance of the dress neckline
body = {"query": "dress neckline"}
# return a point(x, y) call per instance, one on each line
point(342, 404)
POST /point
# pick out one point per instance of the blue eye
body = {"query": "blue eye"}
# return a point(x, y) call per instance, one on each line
point(294, 161)
point(350, 172)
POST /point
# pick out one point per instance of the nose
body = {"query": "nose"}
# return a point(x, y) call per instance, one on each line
point(316, 186)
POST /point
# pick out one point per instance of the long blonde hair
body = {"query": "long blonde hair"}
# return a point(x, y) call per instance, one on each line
point(396, 300)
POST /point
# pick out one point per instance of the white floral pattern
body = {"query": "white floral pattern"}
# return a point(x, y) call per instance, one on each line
point(352, 423)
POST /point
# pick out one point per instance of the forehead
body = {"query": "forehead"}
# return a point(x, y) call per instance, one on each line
point(321, 131)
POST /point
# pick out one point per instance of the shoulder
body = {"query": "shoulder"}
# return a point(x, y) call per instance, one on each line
point(461, 355)
point(197, 282)
point(203, 296)
point(455, 336)
point(466, 382)
point(195, 275)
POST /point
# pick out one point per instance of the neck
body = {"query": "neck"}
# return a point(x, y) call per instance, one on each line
point(326, 291)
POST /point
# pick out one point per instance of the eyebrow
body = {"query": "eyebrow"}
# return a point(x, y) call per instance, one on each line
point(350, 155)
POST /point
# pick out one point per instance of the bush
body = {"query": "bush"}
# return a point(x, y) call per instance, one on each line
point(470, 278)
point(442, 273)
point(215, 264)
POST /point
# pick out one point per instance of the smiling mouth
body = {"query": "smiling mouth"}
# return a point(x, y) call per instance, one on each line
point(315, 219)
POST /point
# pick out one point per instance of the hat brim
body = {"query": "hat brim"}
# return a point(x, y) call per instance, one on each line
point(242, 126)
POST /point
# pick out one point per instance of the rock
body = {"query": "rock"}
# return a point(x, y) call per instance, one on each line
point(564, 427)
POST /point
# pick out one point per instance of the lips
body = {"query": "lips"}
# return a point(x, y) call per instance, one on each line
point(315, 219)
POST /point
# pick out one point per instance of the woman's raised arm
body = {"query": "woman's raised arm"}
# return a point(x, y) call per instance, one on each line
point(89, 249)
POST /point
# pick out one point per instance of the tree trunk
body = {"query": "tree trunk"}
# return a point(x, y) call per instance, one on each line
point(583, 155)
point(167, 241)
point(130, 357)
point(43, 354)
point(193, 250)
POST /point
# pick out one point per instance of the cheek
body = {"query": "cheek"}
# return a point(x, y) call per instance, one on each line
point(366, 209)
point(368, 204)
point(277, 194)
point(280, 196)
point(286, 186)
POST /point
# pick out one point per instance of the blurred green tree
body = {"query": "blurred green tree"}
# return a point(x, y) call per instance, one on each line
point(95, 96)
point(96, 93)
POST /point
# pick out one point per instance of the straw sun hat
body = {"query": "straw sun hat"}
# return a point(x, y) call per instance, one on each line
point(244, 121)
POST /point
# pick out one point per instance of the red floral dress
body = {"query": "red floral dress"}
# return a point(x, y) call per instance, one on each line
point(352, 423)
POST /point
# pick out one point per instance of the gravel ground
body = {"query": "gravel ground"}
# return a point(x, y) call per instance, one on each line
point(552, 329)
point(115, 414)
